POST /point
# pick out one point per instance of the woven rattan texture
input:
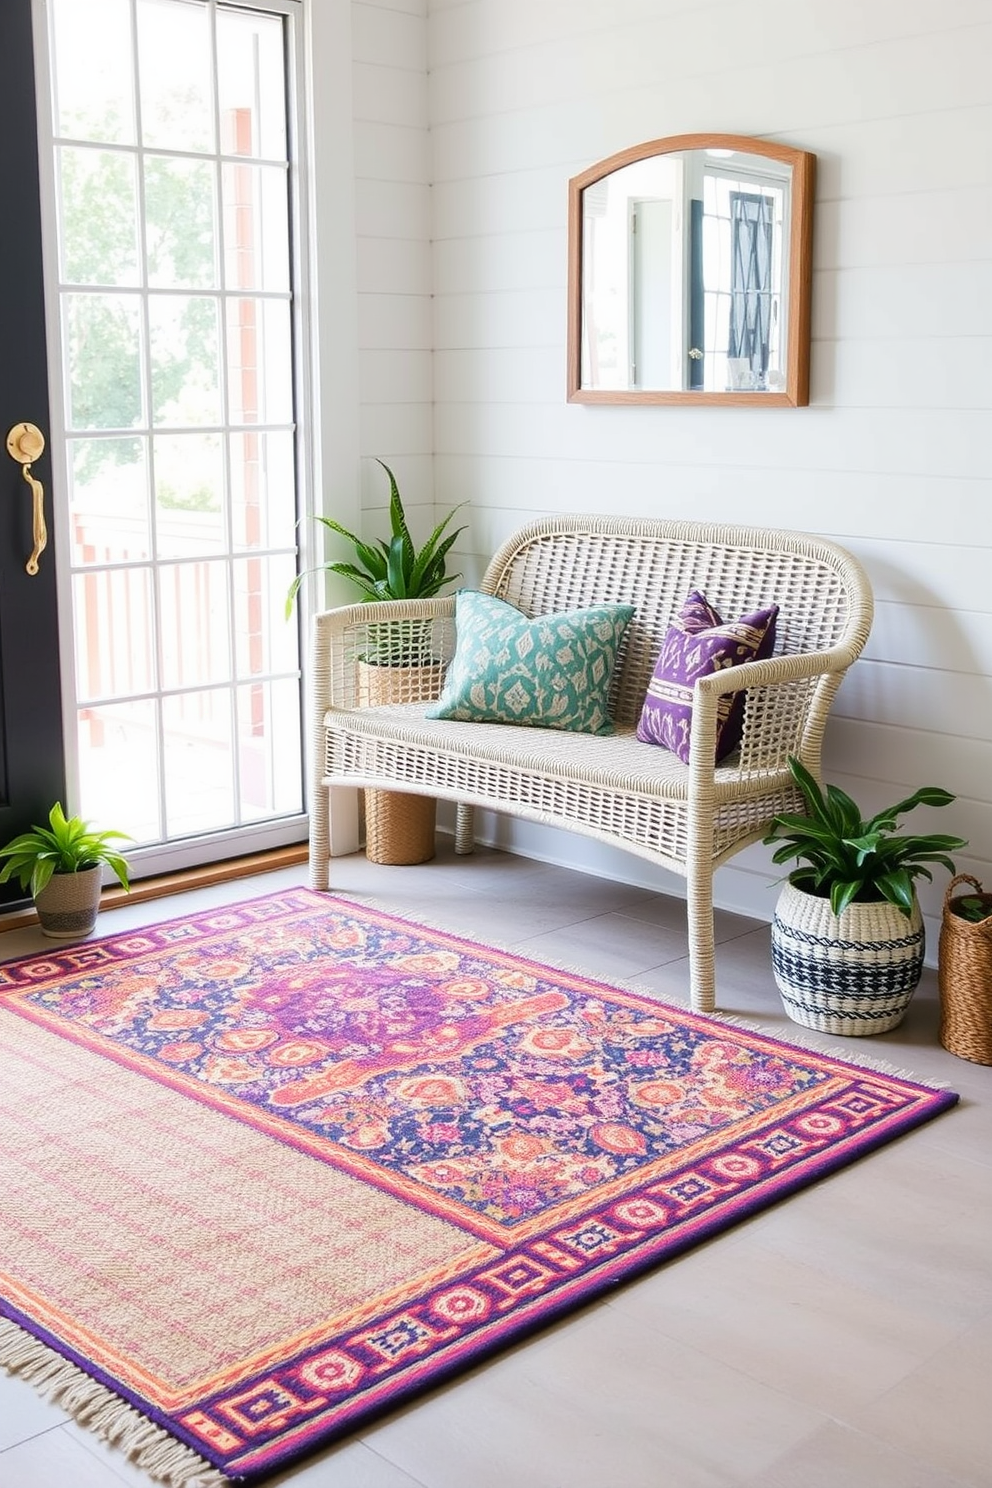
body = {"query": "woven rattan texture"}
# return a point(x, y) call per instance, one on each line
point(965, 976)
point(614, 789)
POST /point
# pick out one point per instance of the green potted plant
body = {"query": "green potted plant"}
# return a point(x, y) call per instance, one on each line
point(396, 662)
point(847, 938)
point(62, 866)
point(395, 569)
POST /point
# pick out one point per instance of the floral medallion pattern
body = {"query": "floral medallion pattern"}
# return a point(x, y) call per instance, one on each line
point(504, 1089)
point(556, 1134)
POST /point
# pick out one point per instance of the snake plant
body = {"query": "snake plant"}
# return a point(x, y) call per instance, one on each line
point(393, 569)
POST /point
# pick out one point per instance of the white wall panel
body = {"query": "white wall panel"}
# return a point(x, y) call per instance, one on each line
point(390, 95)
point(390, 37)
point(392, 175)
point(393, 209)
point(469, 117)
point(392, 152)
point(397, 428)
point(390, 321)
point(389, 265)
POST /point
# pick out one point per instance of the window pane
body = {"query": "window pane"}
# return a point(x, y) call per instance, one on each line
point(174, 58)
point(263, 490)
point(185, 375)
point(199, 778)
point(94, 94)
point(193, 623)
point(265, 640)
point(269, 749)
point(179, 227)
point(259, 361)
point(108, 500)
point(102, 341)
point(118, 769)
point(115, 643)
point(189, 495)
point(99, 225)
point(256, 228)
point(251, 84)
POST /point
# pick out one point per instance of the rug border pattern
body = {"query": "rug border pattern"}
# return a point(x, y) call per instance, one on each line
point(575, 1253)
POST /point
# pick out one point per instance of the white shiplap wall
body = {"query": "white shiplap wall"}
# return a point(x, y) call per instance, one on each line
point(469, 117)
point(394, 274)
point(893, 457)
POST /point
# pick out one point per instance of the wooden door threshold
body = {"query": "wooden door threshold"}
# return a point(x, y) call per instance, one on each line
point(179, 883)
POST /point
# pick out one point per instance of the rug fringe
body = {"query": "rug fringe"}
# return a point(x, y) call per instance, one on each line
point(99, 1410)
point(796, 1034)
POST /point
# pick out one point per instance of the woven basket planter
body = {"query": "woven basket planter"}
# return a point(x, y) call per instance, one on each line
point(400, 828)
point(69, 904)
point(855, 974)
point(964, 975)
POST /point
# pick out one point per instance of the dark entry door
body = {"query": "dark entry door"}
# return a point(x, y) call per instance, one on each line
point(32, 772)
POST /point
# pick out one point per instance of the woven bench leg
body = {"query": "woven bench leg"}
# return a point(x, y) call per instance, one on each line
point(702, 955)
point(464, 828)
point(320, 839)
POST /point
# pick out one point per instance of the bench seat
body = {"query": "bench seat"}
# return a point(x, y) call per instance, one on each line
point(613, 788)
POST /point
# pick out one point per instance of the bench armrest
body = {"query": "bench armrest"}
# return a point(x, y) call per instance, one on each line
point(788, 700)
point(352, 644)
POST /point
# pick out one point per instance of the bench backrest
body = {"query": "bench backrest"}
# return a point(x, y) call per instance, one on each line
point(569, 562)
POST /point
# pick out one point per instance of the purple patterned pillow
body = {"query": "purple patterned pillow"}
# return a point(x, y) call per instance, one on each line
point(699, 643)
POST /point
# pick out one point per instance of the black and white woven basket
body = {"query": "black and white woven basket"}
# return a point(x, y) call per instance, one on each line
point(855, 974)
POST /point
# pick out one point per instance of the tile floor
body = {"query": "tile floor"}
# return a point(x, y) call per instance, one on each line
point(840, 1340)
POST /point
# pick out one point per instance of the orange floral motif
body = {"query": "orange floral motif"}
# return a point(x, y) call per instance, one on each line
point(426, 962)
point(220, 1069)
point(293, 1053)
point(346, 938)
point(223, 971)
point(613, 1136)
point(658, 1093)
point(555, 1043)
point(176, 1018)
point(245, 1040)
point(520, 981)
point(368, 1136)
point(179, 1053)
point(432, 1091)
point(519, 1147)
point(469, 988)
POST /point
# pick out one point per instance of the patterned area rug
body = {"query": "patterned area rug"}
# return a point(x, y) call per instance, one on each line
point(271, 1169)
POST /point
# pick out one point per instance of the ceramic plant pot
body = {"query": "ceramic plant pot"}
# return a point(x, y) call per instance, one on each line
point(69, 904)
point(851, 975)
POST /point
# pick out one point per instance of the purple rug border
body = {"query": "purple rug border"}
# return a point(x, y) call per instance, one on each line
point(532, 1317)
point(529, 1318)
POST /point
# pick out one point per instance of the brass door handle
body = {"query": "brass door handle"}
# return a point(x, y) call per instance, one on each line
point(25, 444)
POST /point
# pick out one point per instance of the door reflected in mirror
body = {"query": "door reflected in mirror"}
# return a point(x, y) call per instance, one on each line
point(689, 273)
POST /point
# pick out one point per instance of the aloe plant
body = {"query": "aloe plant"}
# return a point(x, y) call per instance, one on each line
point(855, 861)
point(393, 569)
point(66, 845)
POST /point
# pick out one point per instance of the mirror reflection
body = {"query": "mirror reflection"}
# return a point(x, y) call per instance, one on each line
point(690, 274)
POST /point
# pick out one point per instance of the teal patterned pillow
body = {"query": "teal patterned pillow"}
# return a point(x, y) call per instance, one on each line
point(551, 672)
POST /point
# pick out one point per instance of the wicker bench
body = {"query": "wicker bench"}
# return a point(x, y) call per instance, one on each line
point(686, 818)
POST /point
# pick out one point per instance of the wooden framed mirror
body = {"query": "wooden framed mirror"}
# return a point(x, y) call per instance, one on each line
point(689, 273)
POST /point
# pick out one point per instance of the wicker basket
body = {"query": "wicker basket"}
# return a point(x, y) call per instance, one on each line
point(964, 975)
point(400, 828)
point(854, 975)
